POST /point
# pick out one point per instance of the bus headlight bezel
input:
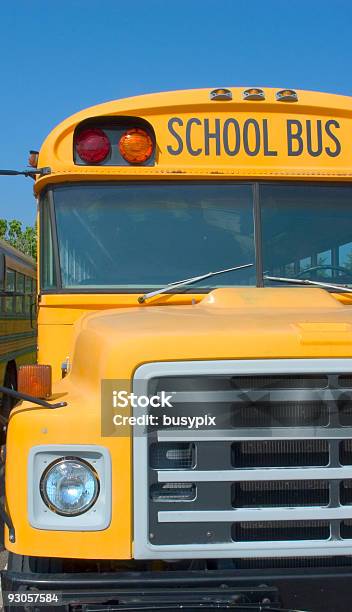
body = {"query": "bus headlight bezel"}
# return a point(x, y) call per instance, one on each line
point(97, 516)
point(56, 464)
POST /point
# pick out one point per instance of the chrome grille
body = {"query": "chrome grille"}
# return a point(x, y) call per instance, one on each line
point(273, 479)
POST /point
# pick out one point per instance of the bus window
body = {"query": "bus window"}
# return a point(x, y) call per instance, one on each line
point(47, 255)
point(18, 329)
point(116, 236)
point(28, 284)
point(27, 303)
point(310, 225)
point(2, 270)
point(19, 304)
point(19, 282)
point(305, 263)
point(345, 255)
point(10, 280)
point(325, 259)
point(9, 305)
point(289, 269)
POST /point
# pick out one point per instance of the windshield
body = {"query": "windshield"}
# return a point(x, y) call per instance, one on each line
point(144, 236)
point(307, 232)
point(148, 235)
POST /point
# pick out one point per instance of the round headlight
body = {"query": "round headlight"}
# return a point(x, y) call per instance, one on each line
point(69, 486)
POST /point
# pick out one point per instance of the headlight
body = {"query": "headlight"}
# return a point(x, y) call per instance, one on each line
point(69, 486)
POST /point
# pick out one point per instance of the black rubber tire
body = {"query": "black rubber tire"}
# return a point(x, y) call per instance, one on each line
point(8, 402)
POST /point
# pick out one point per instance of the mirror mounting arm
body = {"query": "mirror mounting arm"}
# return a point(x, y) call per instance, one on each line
point(32, 172)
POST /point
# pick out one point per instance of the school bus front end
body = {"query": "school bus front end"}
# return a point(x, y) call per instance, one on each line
point(204, 455)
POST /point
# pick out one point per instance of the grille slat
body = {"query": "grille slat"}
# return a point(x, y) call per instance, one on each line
point(250, 475)
point(301, 513)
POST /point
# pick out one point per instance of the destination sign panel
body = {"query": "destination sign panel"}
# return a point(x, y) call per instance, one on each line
point(273, 140)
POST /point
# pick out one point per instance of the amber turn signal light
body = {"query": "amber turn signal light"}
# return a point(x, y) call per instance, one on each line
point(35, 380)
point(136, 146)
point(33, 159)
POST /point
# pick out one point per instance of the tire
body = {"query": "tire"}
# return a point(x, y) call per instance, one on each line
point(8, 402)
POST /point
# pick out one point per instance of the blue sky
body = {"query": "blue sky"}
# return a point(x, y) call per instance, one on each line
point(59, 57)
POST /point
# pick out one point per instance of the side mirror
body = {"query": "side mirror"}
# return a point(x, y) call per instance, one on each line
point(2, 270)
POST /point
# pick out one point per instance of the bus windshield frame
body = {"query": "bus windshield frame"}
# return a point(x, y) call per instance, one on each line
point(302, 223)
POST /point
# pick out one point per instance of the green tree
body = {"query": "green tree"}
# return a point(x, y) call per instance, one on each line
point(22, 238)
point(3, 228)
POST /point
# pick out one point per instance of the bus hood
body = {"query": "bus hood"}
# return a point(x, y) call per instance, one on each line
point(243, 323)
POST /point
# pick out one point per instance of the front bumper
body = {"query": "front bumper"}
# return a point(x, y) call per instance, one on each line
point(313, 590)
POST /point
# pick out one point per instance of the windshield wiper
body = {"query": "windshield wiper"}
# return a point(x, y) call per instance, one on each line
point(188, 281)
point(306, 281)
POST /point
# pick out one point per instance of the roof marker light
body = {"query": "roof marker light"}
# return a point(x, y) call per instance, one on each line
point(286, 95)
point(136, 146)
point(254, 93)
point(92, 145)
point(220, 95)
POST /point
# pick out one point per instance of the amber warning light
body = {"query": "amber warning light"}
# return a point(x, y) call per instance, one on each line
point(35, 380)
point(95, 146)
point(33, 159)
point(136, 146)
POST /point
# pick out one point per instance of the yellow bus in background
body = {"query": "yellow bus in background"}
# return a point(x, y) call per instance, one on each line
point(199, 244)
point(18, 326)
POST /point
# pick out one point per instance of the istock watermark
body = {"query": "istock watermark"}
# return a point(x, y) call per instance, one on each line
point(122, 399)
point(142, 408)
point(190, 422)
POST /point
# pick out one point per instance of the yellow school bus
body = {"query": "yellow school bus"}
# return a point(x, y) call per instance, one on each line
point(18, 343)
point(195, 307)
